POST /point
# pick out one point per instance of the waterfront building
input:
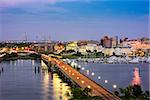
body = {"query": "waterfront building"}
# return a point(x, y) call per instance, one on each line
point(118, 51)
point(106, 42)
point(72, 46)
point(137, 44)
point(122, 51)
point(117, 42)
point(82, 49)
point(126, 51)
point(91, 46)
point(108, 51)
point(126, 44)
point(59, 47)
point(43, 47)
point(114, 42)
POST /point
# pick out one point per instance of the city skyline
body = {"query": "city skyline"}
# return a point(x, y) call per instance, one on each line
point(68, 20)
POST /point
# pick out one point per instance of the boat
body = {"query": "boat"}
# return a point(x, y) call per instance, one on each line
point(112, 59)
point(134, 60)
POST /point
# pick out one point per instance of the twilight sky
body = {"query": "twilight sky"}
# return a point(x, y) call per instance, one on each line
point(73, 19)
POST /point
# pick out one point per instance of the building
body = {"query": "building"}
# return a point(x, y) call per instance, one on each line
point(59, 47)
point(122, 51)
point(108, 51)
point(90, 46)
point(114, 42)
point(82, 49)
point(106, 42)
point(117, 42)
point(72, 46)
point(137, 44)
point(43, 47)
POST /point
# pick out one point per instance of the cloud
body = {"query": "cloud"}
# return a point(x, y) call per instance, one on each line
point(9, 3)
point(32, 7)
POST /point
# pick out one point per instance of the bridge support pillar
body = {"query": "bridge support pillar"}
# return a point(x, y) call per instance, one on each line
point(44, 65)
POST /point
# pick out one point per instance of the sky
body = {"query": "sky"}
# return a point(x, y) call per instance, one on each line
point(67, 20)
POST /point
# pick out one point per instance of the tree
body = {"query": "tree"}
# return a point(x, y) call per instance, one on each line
point(99, 54)
point(133, 92)
point(70, 51)
point(88, 51)
point(81, 94)
point(127, 91)
point(137, 91)
point(95, 50)
point(78, 54)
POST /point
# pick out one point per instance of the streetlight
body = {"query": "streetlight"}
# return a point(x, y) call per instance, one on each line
point(87, 72)
point(114, 86)
point(106, 81)
point(77, 77)
point(92, 73)
point(72, 73)
point(89, 86)
point(99, 77)
point(83, 68)
point(82, 82)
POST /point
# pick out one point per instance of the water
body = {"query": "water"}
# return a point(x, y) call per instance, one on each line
point(20, 82)
point(121, 75)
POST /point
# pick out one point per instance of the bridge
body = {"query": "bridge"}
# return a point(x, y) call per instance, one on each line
point(81, 80)
point(1, 56)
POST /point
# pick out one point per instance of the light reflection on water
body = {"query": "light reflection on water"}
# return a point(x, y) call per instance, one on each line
point(136, 78)
point(20, 82)
point(121, 75)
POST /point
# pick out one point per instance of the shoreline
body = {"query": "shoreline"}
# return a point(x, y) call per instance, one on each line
point(20, 57)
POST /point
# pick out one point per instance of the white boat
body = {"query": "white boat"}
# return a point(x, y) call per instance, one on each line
point(148, 60)
point(121, 60)
point(128, 58)
point(134, 60)
point(142, 59)
point(112, 59)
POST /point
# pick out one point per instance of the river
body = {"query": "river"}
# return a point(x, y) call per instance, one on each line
point(115, 76)
point(19, 81)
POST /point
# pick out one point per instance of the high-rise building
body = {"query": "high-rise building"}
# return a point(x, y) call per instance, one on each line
point(114, 42)
point(106, 42)
point(117, 41)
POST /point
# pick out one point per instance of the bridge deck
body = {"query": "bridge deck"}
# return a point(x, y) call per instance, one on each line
point(82, 80)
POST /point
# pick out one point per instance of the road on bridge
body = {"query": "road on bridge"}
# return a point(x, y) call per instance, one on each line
point(82, 80)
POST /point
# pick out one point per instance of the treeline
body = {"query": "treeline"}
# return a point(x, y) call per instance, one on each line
point(14, 45)
point(133, 93)
point(129, 93)
point(14, 56)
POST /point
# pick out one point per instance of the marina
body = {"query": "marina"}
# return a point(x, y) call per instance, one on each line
point(116, 60)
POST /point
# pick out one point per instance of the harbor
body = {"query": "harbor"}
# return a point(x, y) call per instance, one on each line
point(116, 60)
